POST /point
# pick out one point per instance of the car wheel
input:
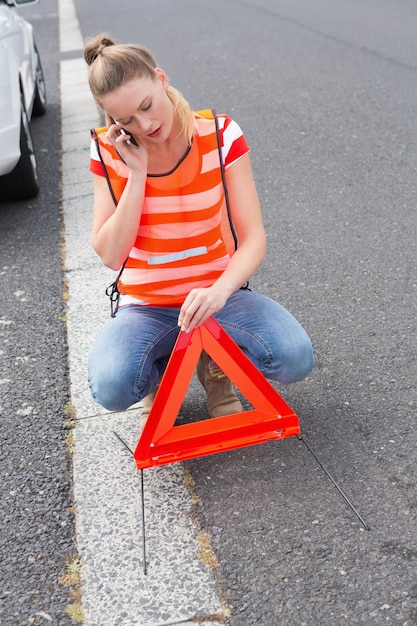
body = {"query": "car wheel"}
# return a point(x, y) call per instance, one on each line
point(39, 103)
point(22, 182)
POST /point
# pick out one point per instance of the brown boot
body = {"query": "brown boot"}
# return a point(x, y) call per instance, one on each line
point(221, 398)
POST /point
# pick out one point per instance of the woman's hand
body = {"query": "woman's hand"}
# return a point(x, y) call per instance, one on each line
point(199, 305)
point(133, 152)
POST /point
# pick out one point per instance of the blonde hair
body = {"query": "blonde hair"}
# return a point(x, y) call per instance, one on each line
point(112, 64)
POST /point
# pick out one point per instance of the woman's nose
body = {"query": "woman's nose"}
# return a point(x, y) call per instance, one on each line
point(144, 123)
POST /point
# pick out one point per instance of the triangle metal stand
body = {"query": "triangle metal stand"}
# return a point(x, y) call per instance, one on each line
point(142, 502)
point(161, 442)
point(299, 437)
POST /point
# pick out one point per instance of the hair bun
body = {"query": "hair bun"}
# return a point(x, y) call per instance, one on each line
point(95, 47)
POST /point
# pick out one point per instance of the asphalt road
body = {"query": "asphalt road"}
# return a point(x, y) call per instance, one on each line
point(36, 522)
point(325, 93)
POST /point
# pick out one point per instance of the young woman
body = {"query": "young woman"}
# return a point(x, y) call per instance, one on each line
point(158, 206)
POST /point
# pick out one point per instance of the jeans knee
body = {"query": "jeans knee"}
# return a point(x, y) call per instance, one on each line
point(298, 363)
point(112, 393)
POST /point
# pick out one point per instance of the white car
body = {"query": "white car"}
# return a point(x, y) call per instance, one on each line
point(22, 95)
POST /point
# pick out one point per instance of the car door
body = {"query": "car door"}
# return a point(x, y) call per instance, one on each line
point(18, 40)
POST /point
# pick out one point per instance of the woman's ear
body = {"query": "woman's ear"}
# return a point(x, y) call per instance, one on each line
point(160, 75)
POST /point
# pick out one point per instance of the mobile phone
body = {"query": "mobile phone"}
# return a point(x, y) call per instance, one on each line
point(131, 140)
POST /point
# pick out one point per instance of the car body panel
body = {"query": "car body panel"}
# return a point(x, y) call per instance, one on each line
point(17, 75)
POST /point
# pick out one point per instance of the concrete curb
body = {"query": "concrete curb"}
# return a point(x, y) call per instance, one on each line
point(179, 588)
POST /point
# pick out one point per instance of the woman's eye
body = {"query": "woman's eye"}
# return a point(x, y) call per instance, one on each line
point(147, 106)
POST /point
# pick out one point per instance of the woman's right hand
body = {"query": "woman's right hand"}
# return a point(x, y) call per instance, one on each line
point(133, 152)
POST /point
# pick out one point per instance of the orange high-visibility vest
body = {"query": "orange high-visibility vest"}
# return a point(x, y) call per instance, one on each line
point(185, 237)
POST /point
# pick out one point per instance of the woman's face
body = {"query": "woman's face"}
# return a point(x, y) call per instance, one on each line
point(142, 107)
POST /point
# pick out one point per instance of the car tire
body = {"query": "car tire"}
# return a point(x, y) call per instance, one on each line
point(22, 182)
point(39, 102)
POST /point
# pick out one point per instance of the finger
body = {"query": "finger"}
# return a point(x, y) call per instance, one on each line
point(185, 320)
point(194, 317)
point(112, 133)
point(188, 309)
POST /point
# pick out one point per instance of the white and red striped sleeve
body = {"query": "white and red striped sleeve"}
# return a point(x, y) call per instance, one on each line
point(232, 139)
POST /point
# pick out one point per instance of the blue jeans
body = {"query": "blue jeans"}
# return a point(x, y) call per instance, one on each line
point(132, 351)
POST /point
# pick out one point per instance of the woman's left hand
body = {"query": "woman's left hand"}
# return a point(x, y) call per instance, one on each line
point(199, 305)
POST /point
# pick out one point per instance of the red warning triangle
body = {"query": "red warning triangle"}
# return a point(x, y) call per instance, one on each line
point(271, 418)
